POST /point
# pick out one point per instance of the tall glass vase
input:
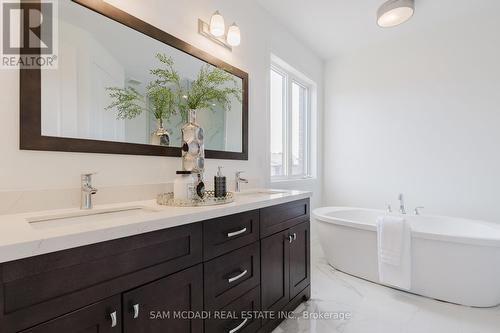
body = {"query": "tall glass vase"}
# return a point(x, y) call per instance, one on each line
point(160, 137)
point(193, 148)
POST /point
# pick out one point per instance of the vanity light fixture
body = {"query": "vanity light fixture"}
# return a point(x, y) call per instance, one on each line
point(216, 31)
point(395, 12)
point(233, 35)
point(217, 25)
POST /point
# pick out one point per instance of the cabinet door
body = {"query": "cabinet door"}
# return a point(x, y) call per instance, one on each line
point(101, 317)
point(275, 273)
point(156, 307)
point(300, 266)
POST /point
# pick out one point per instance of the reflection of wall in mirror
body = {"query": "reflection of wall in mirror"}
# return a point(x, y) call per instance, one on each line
point(213, 123)
point(234, 126)
point(75, 92)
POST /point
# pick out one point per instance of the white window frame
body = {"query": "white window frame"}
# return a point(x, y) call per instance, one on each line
point(291, 76)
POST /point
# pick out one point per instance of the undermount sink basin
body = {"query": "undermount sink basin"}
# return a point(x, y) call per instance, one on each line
point(82, 216)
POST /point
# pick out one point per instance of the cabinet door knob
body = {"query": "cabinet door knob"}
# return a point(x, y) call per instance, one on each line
point(113, 319)
point(236, 233)
point(136, 311)
point(237, 277)
point(290, 238)
point(294, 236)
point(239, 327)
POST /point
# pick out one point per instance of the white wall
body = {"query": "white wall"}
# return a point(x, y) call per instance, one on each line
point(419, 115)
point(27, 170)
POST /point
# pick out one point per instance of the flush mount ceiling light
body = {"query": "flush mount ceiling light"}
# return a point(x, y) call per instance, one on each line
point(216, 31)
point(395, 12)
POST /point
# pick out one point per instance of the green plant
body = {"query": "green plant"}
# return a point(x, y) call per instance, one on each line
point(166, 95)
point(209, 88)
point(128, 102)
point(167, 75)
point(162, 99)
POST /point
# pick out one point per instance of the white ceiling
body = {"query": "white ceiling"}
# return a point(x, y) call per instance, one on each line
point(335, 26)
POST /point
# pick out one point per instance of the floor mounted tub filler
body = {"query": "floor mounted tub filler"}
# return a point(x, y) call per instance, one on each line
point(454, 260)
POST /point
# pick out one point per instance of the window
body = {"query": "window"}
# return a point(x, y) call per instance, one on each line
point(290, 103)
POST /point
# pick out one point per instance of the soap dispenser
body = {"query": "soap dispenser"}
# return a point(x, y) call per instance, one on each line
point(220, 188)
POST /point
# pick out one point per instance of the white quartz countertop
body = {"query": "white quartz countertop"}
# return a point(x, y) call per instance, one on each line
point(21, 239)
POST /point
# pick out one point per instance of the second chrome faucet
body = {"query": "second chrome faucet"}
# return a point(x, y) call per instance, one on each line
point(239, 180)
point(87, 191)
point(402, 208)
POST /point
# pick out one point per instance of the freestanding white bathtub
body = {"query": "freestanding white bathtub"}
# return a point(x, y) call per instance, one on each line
point(454, 260)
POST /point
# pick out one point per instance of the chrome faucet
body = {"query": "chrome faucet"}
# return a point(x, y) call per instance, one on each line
point(87, 191)
point(239, 180)
point(417, 210)
point(389, 208)
point(402, 208)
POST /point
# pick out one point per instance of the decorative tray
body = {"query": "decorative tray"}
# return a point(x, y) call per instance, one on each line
point(167, 199)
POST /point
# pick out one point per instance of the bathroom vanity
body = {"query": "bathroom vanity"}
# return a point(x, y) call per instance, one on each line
point(146, 271)
point(142, 267)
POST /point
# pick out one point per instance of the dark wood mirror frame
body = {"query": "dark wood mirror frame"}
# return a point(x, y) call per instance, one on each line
point(31, 137)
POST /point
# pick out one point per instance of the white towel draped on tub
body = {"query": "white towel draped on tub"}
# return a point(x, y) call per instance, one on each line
point(394, 251)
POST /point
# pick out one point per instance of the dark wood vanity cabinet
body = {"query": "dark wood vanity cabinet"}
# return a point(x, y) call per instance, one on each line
point(154, 282)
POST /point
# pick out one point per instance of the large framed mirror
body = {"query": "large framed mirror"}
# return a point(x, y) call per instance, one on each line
point(102, 97)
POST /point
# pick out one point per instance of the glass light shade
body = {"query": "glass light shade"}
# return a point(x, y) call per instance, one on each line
point(395, 12)
point(234, 35)
point(217, 25)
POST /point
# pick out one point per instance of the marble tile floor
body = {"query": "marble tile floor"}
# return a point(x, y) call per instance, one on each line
point(377, 309)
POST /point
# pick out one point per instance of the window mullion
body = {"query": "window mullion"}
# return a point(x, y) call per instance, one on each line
point(284, 126)
point(289, 126)
point(307, 133)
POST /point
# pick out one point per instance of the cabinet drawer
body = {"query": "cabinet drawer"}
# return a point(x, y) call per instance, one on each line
point(95, 318)
point(240, 320)
point(278, 218)
point(44, 287)
point(230, 276)
point(222, 235)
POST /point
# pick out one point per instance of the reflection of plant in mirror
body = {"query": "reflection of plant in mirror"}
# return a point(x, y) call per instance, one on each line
point(209, 88)
point(128, 102)
point(212, 86)
point(162, 101)
point(167, 75)
point(159, 93)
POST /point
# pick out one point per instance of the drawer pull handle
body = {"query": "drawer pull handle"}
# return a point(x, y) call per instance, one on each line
point(239, 327)
point(236, 233)
point(136, 311)
point(237, 277)
point(113, 319)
